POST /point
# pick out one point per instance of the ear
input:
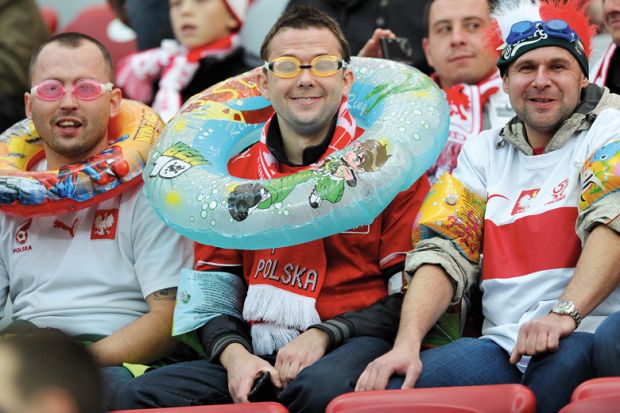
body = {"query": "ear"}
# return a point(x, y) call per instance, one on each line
point(263, 84)
point(28, 104)
point(505, 83)
point(427, 51)
point(584, 81)
point(116, 97)
point(347, 79)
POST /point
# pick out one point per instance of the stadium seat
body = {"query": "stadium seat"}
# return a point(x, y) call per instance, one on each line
point(263, 407)
point(609, 403)
point(600, 395)
point(50, 17)
point(507, 398)
point(597, 387)
point(100, 22)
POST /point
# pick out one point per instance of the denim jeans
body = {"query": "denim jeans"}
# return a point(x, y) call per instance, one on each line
point(471, 361)
point(202, 382)
point(607, 347)
point(113, 379)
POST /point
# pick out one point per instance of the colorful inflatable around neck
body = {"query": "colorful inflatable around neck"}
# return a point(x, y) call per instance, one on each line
point(187, 181)
point(46, 193)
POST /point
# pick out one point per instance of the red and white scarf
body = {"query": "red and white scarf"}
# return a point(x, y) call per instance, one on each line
point(466, 119)
point(344, 135)
point(174, 65)
point(598, 74)
point(285, 282)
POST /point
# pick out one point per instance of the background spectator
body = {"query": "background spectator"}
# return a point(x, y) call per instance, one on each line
point(22, 30)
point(358, 19)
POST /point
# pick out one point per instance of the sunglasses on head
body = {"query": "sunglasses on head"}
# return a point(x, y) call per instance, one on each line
point(52, 90)
point(288, 67)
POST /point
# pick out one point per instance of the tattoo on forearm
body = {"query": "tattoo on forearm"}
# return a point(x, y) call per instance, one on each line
point(165, 294)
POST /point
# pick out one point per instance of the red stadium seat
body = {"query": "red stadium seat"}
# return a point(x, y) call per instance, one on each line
point(506, 398)
point(597, 387)
point(100, 22)
point(263, 407)
point(600, 395)
point(50, 17)
point(609, 403)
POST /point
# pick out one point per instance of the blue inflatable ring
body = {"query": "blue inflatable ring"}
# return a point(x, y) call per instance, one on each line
point(187, 181)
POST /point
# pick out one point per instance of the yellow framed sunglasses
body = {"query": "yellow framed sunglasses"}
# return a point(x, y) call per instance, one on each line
point(288, 67)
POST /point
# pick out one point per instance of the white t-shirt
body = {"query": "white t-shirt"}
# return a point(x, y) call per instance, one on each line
point(89, 272)
point(530, 244)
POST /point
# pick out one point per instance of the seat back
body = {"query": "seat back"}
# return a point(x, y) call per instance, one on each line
point(263, 407)
point(50, 17)
point(100, 22)
point(507, 398)
point(609, 403)
point(597, 387)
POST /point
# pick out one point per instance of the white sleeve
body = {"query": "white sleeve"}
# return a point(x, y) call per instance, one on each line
point(473, 163)
point(159, 252)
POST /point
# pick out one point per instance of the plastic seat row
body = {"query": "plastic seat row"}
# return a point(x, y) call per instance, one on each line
point(597, 395)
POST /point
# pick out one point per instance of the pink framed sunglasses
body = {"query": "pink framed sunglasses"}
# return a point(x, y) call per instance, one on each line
point(52, 90)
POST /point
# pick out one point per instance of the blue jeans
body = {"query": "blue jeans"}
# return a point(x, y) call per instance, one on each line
point(472, 361)
point(113, 379)
point(201, 382)
point(607, 347)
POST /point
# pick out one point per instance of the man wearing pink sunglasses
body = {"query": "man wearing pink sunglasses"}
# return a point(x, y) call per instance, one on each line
point(107, 273)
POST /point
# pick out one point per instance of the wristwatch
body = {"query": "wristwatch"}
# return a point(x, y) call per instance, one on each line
point(567, 307)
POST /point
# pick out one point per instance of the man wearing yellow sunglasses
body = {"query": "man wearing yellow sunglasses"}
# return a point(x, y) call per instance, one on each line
point(338, 280)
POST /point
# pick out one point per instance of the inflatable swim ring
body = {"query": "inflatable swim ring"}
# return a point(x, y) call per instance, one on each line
point(104, 175)
point(186, 180)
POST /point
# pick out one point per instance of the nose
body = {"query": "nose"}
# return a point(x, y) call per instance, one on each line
point(541, 78)
point(68, 100)
point(186, 7)
point(458, 35)
point(305, 78)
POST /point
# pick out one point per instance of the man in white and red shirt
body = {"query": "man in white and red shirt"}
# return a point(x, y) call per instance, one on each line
point(292, 297)
point(547, 285)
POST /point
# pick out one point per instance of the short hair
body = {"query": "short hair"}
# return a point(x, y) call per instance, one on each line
point(303, 17)
point(427, 14)
point(73, 40)
point(49, 358)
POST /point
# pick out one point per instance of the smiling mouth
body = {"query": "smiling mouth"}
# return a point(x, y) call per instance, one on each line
point(68, 124)
point(306, 99)
point(541, 100)
point(613, 19)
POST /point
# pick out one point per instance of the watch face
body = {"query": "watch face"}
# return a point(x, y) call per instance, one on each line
point(564, 306)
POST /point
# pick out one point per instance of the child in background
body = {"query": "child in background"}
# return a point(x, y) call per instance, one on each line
point(206, 50)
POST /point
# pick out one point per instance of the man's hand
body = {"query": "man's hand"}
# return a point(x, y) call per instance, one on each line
point(243, 368)
point(402, 362)
point(542, 335)
point(372, 48)
point(301, 352)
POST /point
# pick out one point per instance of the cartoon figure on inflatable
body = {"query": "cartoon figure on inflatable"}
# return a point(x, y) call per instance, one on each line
point(45, 193)
point(403, 120)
